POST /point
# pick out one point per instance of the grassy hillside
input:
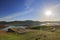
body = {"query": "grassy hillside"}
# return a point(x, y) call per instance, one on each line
point(44, 35)
point(15, 36)
point(33, 35)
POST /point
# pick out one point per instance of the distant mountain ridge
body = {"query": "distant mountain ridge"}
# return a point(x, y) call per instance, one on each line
point(24, 23)
point(52, 22)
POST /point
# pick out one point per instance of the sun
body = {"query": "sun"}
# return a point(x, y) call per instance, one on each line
point(48, 13)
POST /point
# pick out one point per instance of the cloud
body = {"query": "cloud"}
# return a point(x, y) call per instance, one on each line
point(13, 15)
point(28, 3)
point(54, 6)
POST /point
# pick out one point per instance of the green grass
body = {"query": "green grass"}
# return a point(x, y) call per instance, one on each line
point(42, 33)
point(50, 35)
point(15, 36)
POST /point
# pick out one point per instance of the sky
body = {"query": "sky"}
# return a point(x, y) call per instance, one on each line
point(11, 10)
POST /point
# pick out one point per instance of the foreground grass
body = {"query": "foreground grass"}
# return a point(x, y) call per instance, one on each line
point(15, 36)
point(47, 35)
point(44, 35)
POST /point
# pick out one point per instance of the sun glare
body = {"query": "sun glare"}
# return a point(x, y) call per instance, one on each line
point(48, 13)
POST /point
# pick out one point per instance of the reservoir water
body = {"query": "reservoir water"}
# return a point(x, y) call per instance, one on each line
point(6, 29)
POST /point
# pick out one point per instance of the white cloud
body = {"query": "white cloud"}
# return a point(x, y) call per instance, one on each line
point(28, 3)
point(13, 15)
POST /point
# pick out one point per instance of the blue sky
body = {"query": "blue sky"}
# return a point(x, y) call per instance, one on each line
point(29, 10)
